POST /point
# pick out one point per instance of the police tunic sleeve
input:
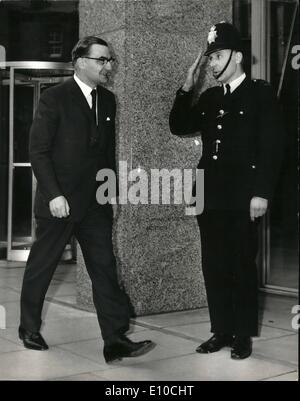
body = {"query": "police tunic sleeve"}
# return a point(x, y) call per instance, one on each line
point(184, 118)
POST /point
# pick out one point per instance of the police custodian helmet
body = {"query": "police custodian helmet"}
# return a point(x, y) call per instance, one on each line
point(223, 36)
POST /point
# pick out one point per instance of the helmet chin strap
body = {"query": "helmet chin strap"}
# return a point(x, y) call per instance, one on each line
point(227, 64)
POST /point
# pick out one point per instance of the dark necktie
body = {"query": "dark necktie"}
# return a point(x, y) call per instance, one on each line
point(94, 104)
point(227, 93)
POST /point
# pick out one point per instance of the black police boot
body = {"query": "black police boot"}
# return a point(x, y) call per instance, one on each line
point(241, 347)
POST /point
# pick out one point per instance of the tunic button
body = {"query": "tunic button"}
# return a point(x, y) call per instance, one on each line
point(215, 157)
point(219, 126)
point(241, 112)
point(203, 113)
point(221, 112)
point(253, 166)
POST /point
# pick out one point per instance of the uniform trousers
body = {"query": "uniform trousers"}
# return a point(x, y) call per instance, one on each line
point(229, 247)
point(94, 234)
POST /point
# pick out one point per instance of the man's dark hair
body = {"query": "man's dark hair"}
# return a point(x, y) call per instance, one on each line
point(83, 46)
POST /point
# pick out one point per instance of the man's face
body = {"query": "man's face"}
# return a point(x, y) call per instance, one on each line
point(96, 71)
point(217, 62)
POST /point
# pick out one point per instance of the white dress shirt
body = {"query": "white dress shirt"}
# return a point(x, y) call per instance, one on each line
point(234, 84)
point(86, 90)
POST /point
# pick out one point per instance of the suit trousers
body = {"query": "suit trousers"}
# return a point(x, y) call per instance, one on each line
point(94, 234)
point(229, 248)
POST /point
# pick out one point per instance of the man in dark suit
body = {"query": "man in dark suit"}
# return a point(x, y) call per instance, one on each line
point(242, 137)
point(72, 137)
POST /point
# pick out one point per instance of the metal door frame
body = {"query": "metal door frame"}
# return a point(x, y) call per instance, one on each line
point(260, 34)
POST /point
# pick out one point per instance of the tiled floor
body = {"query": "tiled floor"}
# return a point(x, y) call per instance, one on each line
point(76, 348)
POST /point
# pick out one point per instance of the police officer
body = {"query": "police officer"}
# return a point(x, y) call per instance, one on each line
point(242, 137)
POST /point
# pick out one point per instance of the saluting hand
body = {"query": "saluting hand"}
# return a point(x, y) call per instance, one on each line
point(258, 207)
point(193, 74)
point(59, 207)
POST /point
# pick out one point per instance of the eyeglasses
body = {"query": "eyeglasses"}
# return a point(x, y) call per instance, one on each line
point(102, 60)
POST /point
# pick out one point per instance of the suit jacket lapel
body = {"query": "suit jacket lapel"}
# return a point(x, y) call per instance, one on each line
point(102, 107)
point(102, 114)
point(79, 99)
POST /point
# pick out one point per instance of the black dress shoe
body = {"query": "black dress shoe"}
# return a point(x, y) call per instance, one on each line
point(215, 343)
point(32, 340)
point(125, 348)
point(241, 348)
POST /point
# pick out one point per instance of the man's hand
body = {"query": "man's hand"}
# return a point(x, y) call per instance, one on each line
point(193, 74)
point(258, 207)
point(59, 207)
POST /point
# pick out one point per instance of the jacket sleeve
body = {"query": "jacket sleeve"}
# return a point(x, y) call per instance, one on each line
point(42, 135)
point(183, 118)
point(270, 143)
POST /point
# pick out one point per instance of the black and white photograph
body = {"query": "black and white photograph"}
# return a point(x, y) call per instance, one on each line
point(149, 193)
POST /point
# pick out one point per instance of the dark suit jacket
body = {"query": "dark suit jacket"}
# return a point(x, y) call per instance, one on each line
point(249, 126)
point(67, 149)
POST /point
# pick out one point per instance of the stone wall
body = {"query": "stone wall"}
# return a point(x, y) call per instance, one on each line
point(157, 246)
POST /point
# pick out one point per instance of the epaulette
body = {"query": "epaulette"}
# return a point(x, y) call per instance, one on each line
point(261, 82)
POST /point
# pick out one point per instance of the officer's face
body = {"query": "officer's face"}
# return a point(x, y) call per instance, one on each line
point(217, 62)
point(96, 71)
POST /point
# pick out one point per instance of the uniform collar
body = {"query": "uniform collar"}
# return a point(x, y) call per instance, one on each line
point(234, 84)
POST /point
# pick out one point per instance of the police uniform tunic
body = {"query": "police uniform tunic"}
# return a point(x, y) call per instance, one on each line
point(242, 138)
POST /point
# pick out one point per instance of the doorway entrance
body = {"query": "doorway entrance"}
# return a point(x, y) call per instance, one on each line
point(21, 84)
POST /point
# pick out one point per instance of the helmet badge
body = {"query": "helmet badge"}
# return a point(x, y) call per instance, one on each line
point(212, 35)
